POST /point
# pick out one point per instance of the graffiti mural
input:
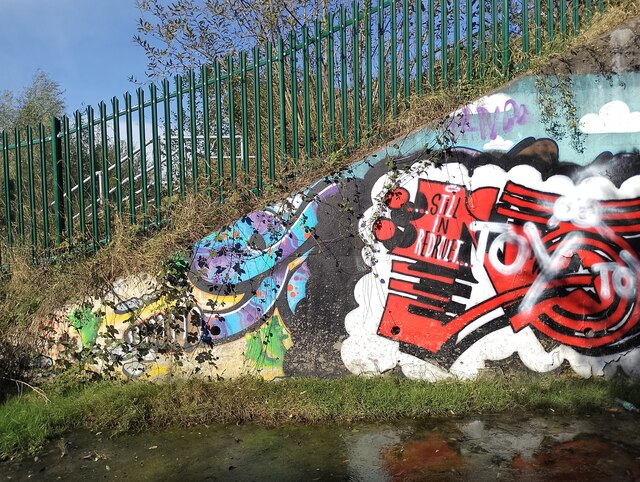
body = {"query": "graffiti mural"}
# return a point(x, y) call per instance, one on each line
point(489, 255)
point(241, 273)
point(243, 282)
point(498, 237)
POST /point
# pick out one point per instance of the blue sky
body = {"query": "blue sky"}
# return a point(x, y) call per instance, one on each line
point(84, 45)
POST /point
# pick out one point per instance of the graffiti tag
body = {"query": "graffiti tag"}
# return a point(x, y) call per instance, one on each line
point(489, 124)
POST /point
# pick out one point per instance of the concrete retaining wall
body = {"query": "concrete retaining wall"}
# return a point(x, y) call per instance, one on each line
point(507, 237)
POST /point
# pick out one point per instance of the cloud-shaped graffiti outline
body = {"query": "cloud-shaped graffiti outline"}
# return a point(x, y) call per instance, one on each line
point(498, 144)
point(613, 117)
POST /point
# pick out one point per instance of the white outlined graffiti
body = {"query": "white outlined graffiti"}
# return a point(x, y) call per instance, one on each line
point(541, 259)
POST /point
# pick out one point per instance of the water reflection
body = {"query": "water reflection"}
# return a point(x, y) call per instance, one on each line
point(497, 447)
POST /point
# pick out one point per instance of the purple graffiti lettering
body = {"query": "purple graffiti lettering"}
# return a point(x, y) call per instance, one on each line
point(487, 123)
point(518, 114)
point(488, 127)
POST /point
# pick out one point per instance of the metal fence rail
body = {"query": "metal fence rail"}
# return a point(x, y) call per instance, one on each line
point(240, 120)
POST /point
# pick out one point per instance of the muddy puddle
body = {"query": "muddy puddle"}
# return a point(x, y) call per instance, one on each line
point(497, 447)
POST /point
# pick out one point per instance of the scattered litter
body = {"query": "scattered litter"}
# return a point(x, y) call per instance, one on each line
point(153, 447)
point(628, 406)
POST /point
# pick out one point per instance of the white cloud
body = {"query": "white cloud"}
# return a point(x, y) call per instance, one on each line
point(498, 144)
point(613, 117)
point(489, 102)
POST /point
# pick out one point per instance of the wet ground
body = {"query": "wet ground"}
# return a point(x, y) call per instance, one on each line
point(497, 447)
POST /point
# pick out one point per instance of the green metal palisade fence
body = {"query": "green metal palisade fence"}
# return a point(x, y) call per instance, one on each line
point(245, 117)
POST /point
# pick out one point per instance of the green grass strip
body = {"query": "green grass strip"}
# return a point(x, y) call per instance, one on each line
point(28, 421)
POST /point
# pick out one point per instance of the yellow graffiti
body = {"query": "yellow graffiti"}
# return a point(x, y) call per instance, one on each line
point(295, 263)
point(157, 307)
point(260, 351)
point(212, 301)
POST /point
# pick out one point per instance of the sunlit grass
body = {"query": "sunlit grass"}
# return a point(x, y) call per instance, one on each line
point(27, 421)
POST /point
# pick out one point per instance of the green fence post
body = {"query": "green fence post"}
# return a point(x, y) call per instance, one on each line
point(232, 121)
point(92, 179)
point(117, 152)
point(80, 177)
point(67, 174)
point(317, 37)
point(368, 69)
point(381, 62)
point(331, 82)
point(244, 124)
point(270, 121)
point(431, 26)
point(482, 37)
point(294, 98)
point(206, 128)
point(144, 184)
point(356, 71)
point(155, 142)
point(444, 41)
point(43, 188)
point(7, 188)
point(58, 175)
point(32, 194)
point(257, 125)
point(343, 74)
point(494, 37)
point(217, 94)
point(418, 7)
point(468, 10)
point(394, 58)
point(17, 143)
point(305, 91)
point(131, 174)
point(456, 41)
point(525, 32)
point(505, 38)
point(537, 19)
point(105, 171)
point(550, 26)
point(18, 147)
point(406, 69)
point(166, 99)
point(181, 142)
point(282, 106)
point(193, 130)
